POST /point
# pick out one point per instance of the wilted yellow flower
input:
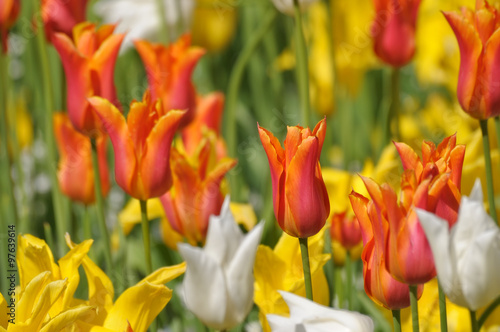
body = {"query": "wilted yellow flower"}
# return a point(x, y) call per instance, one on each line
point(213, 24)
point(281, 269)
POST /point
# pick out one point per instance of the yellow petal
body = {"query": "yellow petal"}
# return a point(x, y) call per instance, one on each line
point(131, 214)
point(67, 318)
point(243, 214)
point(29, 295)
point(138, 305)
point(165, 274)
point(3, 318)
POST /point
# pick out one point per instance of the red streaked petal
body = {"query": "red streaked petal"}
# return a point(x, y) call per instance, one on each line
point(320, 132)
point(409, 157)
point(491, 79)
point(359, 206)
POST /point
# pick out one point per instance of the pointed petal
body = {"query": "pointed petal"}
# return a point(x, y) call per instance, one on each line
point(67, 318)
point(409, 157)
point(34, 257)
point(165, 274)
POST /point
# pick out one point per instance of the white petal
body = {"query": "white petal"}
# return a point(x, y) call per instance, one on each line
point(282, 324)
point(204, 286)
point(476, 193)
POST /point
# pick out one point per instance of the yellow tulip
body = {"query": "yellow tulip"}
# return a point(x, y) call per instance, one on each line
point(281, 269)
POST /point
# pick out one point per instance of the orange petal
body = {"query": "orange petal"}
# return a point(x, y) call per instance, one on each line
point(491, 79)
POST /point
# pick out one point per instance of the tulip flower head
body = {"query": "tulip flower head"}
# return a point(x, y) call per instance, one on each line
point(169, 70)
point(218, 285)
point(300, 199)
point(9, 10)
point(75, 172)
point(345, 229)
point(62, 15)
point(306, 315)
point(393, 30)
point(380, 286)
point(196, 193)
point(466, 255)
point(287, 6)
point(88, 60)
point(141, 144)
point(478, 39)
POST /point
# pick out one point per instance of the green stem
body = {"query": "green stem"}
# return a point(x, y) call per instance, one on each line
point(47, 231)
point(304, 250)
point(442, 309)
point(164, 31)
point(145, 235)
point(48, 97)
point(395, 104)
point(302, 69)
point(396, 320)
point(100, 207)
point(234, 86)
point(348, 272)
point(87, 230)
point(488, 312)
point(414, 307)
point(489, 174)
point(473, 321)
point(339, 287)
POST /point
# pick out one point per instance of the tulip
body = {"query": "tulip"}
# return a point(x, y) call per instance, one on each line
point(300, 199)
point(478, 39)
point(196, 192)
point(466, 255)
point(345, 229)
point(305, 315)
point(169, 70)
point(380, 286)
point(287, 6)
point(393, 30)
point(218, 285)
point(9, 10)
point(88, 62)
point(62, 15)
point(141, 144)
point(75, 172)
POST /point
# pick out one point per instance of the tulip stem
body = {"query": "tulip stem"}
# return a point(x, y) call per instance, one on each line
point(487, 164)
point(442, 309)
point(164, 31)
point(87, 230)
point(487, 312)
point(348, 277)
point(145, 235)
point(100, 207)
point(396, 320)
point(304, 250)
point(48, 97)
point(473, 321)
point(414, 307)
point(233, 88)
point(302, 71)
point(394, 113)
point(47, 231)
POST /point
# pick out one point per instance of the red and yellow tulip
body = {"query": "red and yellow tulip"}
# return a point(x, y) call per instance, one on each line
point(169, 70)
point(300, 199)
point(9, 10)
point(345, 229)
point(478, 36)
point(380, 286)
point(141, 144)
point(75, 173)
point(393, 30)
point(62, 16)
point(196, 193)
point(88, 60)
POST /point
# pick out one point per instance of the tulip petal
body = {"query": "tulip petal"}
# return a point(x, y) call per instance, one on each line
point(155, 164)
point(165, 274)
point(359, 206)
point(49, 295)
point(491, 80)
point(68, 317)
point(148, 301)
point(4, 318)
point(103, 63)
point(203, 275)
point(116, 127)
point(409, 157)
point(31, 293)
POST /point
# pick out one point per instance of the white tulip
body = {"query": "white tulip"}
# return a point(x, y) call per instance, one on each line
point(139, 19)
point(287, 7)
point(306, 315)
point(218, 284)
point(467, 257)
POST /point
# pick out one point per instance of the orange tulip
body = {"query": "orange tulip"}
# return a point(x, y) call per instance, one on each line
point(393, 30)
point(62, 15)
point(478, 37)
point(75, 173)
point(300, 199)
point(345, 230)
point(169, 70)
point(88, 61)
point(208, 116)
point(380, 286)
point(196, 193)
point(9, 10)
point(141, 144)
point(448, 157)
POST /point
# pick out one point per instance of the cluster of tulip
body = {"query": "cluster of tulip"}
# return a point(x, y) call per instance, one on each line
point(420, 240)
